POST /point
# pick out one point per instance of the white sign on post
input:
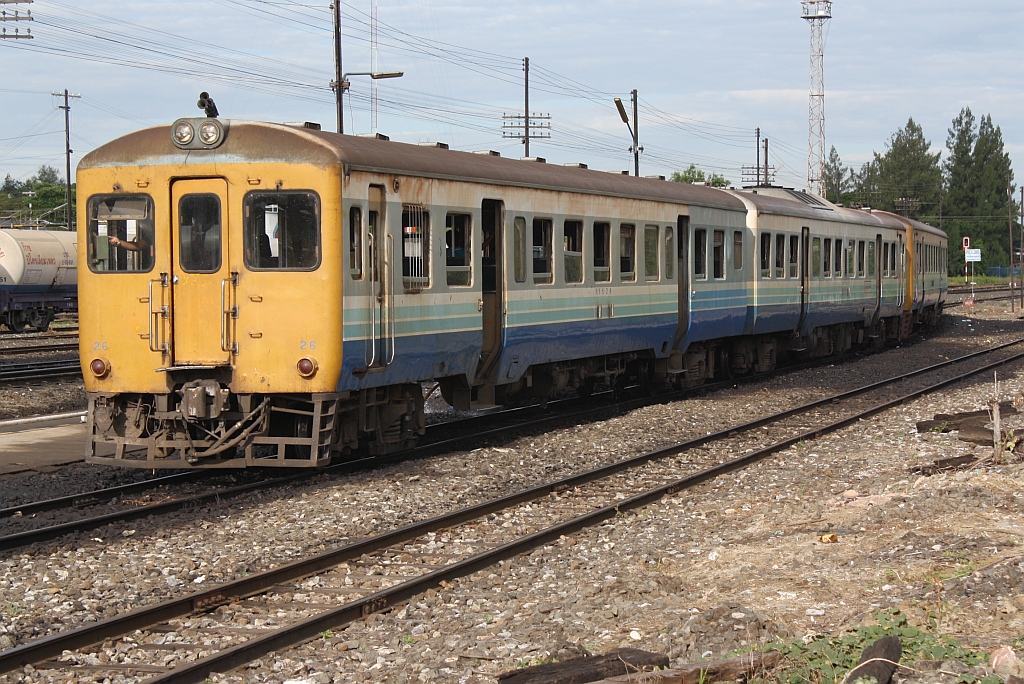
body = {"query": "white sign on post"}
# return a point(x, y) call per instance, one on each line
point(973, 255)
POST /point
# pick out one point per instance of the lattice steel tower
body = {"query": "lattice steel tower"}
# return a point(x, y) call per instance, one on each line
point(816, 12)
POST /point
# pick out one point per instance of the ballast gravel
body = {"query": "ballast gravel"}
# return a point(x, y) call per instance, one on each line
point(733, 563)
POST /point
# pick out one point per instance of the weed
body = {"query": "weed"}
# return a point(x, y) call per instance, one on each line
point(408, 639)
point(828, 659)
point(12, 610)
point(327, 634)
point(488, 619)
point(531, 662)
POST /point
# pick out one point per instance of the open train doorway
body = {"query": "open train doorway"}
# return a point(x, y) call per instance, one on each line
point(492, 219)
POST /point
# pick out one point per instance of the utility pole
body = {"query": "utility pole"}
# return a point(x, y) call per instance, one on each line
point(339, 92)
point(16, 15)
point(518, 126)
point(635, 148)
point(766, 180)
point(757, 132)
point(1009, 211)
point(816, 13)
point(67, 146)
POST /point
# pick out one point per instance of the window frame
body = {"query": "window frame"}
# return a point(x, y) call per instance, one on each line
point(815, 257)
point(737, 250)
point(627, 276)
point(766, 255)
point(793, 266)
point(871, 258)
point(652, 260)
point(546, 227)
point(780, 256)
point(718, 271)
point(826, 257)
point(91, 236)
point(467, 248)
point(318, 245)
point(602, 249)
point(519, 249)
point(414, 284)
point(575, 255)
point(355, 242)
point(670, 253)
point(700, 254)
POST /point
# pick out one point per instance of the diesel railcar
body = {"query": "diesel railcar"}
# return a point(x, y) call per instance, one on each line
point(38, 274)
point(262, 294)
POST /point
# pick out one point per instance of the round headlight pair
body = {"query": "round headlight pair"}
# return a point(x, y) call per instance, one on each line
point(184, 133)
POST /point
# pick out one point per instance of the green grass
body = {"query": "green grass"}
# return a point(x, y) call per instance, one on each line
point(826, 660)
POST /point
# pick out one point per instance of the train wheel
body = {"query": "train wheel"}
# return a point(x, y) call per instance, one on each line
point(18, 321)
point(39, 319)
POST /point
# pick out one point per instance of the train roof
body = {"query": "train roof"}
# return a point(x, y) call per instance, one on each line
point(255, 141)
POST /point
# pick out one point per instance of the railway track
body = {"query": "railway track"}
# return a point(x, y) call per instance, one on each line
point(439, 437)
point(39, 370)
point(339, 586)
point(24, 349)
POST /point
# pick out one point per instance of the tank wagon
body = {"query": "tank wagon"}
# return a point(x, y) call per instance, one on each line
point(38, 277)
point(260, 294)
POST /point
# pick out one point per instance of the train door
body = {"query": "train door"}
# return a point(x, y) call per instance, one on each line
point(492, 220)
point(683, 326)
point(202, 322)
point(878, 277)
point(805, 276)
point(380, 252)
point(901, 271)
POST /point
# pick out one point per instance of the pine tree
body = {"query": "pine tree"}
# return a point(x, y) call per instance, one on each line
point(909, 176)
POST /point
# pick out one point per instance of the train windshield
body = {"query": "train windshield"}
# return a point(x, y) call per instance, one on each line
point(282, 231)
point(120, 233)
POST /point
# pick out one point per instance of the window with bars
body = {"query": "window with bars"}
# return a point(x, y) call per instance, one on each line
point(415, 248)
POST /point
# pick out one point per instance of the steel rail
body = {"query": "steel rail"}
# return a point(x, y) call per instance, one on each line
point(55, 645)
point(42, 349)
point(39, 371)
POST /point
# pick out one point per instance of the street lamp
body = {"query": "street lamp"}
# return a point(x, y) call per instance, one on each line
point(345, 84)
point(636, 149)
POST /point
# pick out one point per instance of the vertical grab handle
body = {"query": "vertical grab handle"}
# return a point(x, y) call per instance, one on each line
point(389, 261)
point(155, 316)
point(229, 312)
point(372, 297)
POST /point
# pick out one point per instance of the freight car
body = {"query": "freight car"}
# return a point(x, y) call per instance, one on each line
point(261, 294)
point(38, 277)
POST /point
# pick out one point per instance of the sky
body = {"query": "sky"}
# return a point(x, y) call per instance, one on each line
point(708, 73)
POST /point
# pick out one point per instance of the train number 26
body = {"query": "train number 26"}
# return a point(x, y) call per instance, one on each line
point(303, 344)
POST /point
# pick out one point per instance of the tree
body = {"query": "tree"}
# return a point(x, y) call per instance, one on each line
point(909, 176)
point(46, 175)
point(976, 198)
point(695, 175)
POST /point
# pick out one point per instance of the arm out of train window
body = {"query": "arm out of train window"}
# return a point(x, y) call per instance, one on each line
point(120, 233)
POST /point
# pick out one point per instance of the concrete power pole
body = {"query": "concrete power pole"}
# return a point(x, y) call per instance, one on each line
point(67, 147)
point(816, 13)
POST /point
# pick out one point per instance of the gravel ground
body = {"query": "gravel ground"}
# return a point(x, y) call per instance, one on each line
point(732, 563)
point(23, 400)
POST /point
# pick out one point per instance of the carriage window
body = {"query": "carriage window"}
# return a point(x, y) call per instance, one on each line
point(766, 255)
point(780, 256)
point(860, 259)
point(602, 252)
point(282, 231)
point(415, 248)
point(572, 251)
point(718, 253)
point(737, 250)
point(651, 252)
point(871, 258)
point(199, 233)
point(519, 248)
point(816, 257)
point(892, 260)
point(542, 251)
point(120, 233)
point(355, 242)
point(837, 262)
point(885, 259)
point(700, 254)
point(826, 254)
point(851, 246)
point(670, 254)
point(794, 255)
point(627, 252)
point(457, 252)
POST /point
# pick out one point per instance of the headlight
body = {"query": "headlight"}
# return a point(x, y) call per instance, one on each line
point(100, 367)
point(183, 133)
point(209, 133)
